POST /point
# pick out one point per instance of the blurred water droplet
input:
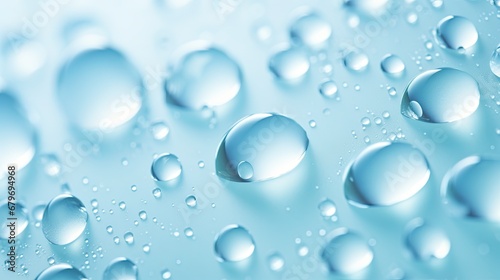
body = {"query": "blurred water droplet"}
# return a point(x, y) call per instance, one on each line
point(328, 89)
point(327, 208)
point(441, 95)
point(392, 65)
point(310, 30)
point(159, 130)
point(289, 64)
point(386, 173)
point(276, 262)
point(64, 219)
point(62, 271)
point(456, 33)
point(233, 244)
point(166, 167)
point(426, 241)
point(166, 274)
point(471, 188)
point(188, 232)
point(270, 144)
point(23, 57)
point(368, 6)
point(346, 252)
point(356, 61)
point(495, 61)
point(51, 164)
point(21, 222)
point(121, 269)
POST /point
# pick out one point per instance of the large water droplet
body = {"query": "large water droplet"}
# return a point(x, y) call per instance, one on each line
point(369, 6)
point(204, 78)
point(392, 65)
point(17, 136)
point(456, 33)
point(121, 269)
point(386, 173)
point(290, 64)
point(64, 219)
point(166, 167)
point(426, 241)
point(261, 147)
point(471, 188)
point(310, 30)
point(347, 252)
point(356, 61)
point(99, 89)
point(21, 215)
point(495, 61)
point(61, 271)
point(441, 95)
point(233, 244)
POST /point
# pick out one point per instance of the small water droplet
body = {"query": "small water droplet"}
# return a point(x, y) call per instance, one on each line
point(233, 244)
point(201, 164)
point(146, 248)
point(166, 167)
point(51, 164)
point(328, 89)
point(51, 260)
point(129, 237)
point(276, 262)
point(392, 65)
point(121, 268)
point(143, 215)
point(188, 232)
point(356, 61)
point(365, 121)
point(157, 192)
point(310, 30)
point(122, 205)
point(312, 123)
point(289, 64)
point(109, 229)
point(456, 33)
point(159, 130)
point(327, 208)
point(166, 274)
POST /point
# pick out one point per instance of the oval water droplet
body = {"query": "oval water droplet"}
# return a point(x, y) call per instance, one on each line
point(386, 173)
point(456, 33)
point(276, 262)
point(206, 77)
point(392, 65)
point(61, 271)
point(289, 64)
point(327, 208)
point(129, 238)
point(310, 30)
point(191, 201)
point(17, 136)
point(100, 89)
point(471, 189)
point(346, 252)
point(441, 95)
point(233, 244)
point(328, 89)
point(64, 219)
point(495, 61)
point(159, 130)
point(121, 269)
point(51, 164)
point(261, 147)
point(426, 241)
point(21, 215)
point(356, 61)
point(166, 167)
point(367, 6)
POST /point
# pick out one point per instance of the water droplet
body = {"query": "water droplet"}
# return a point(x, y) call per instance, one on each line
point(365, 121)
point(495, 3)
point(206, 77)
point(456, 33)
point(391, 91)
point(120, 269)
point(51, 164)
point(146, 248)
point(356, 61)
point(426, 241)
point(37, 214)
point(495, 61)
point(143, 215)
point(129, 238)
point(367, 6)
point(116, 240)
point(133, 188)
point(159, 130)
point(270, 144)
point(201, 164)
point(303, 251)
point(386, 173)
point(191, 201)
point(22, 57)
point(327, 208)
point(412, 18)
point(64, 219)
point(436, 3)
point(328, 89)
point(234, 243)
point(310, 30)
point(471, 188)
point(21, 214)
point(392, 65)
point(122, 205)
point(17, 136)
point(157, 192)
point(289, 64)
point(276, 262)
point(166, 167)
point(109, 229)
point(346, 252)
point(61, 271)
point(166, 274)
point(312, 123)
point(441, 95)
point(188, 232)
point(100, 89)
point(51, 260)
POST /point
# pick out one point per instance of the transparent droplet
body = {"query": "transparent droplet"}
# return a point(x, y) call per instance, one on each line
point(166, 167)
point(120, 269)
point(191, 201)
point(233, 244)
point(310, 30)
point(386, 173)
point(412, 18)
point(426, 241)
point(128, 237)
point(495, 61)
point(289, 64)
point(22, 57)
point(312, 123)
point(146, 248)
point(143, 215)
point(100, 89)
point(495, 3)
point(327, 208)
point(328, 89)
point(367, 6)
point(441, 95)
point(270, 144)
point(206, 77)
point(346, 252)
point(456, 33)
point(365, 121)
point(51, 164)
point(392, 91)
point(37, 214)
point(17, 136)
point(166, 274)
point(51, 260)
point(64, 219)
point(109, 229)
point(122, 205)
point(61, 271)
point(356, 61)
point(392, 65)
point(201, 164)
point(159, 130)
point(188, 232)
point(471, 188)
point(157, 192)
point(276, 262)
point(19, 213)
point(437, 3)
